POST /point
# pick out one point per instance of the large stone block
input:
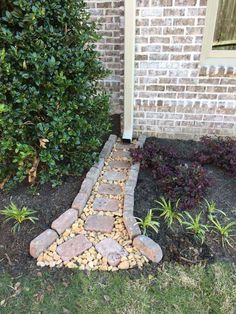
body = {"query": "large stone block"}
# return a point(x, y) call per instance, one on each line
point(109, 189)
point(80, 202)
point(65, 220)
point(42, 242)
point(131, 225)
point(149, 248)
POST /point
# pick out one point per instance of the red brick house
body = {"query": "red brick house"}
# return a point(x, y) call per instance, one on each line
point(167, 77)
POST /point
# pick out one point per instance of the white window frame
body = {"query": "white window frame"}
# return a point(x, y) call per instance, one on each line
point(210, 56)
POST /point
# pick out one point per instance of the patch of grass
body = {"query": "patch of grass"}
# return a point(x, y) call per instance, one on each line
point(171, 289)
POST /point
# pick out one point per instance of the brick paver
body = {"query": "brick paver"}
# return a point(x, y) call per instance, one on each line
point(99, 223)
point(149, 248)
point(106, 204)
point(65, 220)
point(119, 164)
point(114, 176)
point(112, 250)
point(124, 146)
point(42, 242)
point(111, 189)
point(121, 154)
point(73, 247)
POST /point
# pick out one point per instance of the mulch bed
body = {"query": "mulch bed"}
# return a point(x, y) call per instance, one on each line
point(177, 245)
point(49, 203)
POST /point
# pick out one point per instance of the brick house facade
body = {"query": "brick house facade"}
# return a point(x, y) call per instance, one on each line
point(175, 97)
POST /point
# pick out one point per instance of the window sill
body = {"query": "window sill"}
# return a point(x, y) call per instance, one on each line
point(217, 71)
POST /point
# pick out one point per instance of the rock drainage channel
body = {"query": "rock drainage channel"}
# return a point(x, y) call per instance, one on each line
point(100, 232)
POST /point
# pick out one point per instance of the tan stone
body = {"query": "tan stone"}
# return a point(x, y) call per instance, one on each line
point(124, 265)
point(52, 264)
point(53, 247)
point(103, 268)
point(149, 248)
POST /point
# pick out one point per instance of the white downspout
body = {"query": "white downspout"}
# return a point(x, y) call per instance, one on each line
point(129, 60)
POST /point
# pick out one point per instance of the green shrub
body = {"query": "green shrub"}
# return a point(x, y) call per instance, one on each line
point(53, 112)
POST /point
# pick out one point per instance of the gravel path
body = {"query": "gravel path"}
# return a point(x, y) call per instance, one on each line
point(98, 239)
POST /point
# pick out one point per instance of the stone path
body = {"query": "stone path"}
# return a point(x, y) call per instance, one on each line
point(98, 240)
point(98, 232)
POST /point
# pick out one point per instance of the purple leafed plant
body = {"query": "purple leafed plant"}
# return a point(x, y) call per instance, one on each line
point(152, 154)
point(220, 152)
point(177, 181)
point(187, 183)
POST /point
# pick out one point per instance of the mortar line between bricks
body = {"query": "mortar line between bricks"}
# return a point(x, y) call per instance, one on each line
point(99, 239)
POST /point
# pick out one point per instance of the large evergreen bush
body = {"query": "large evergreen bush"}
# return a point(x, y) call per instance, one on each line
point(52, 111)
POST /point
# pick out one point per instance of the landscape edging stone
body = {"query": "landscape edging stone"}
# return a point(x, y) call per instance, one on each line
point(130, 221)
point(144, 244)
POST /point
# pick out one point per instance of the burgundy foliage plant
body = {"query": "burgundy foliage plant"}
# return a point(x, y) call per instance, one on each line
point(187, 182)
point(220, 152)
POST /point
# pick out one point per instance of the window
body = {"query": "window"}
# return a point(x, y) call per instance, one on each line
point(219, 41)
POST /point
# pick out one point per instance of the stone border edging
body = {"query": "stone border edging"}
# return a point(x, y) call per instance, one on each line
point(144, 244)
point(64, 221)
point(128, 215)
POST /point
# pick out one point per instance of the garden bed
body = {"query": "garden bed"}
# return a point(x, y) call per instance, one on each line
point(49, 204)
point(177, 245)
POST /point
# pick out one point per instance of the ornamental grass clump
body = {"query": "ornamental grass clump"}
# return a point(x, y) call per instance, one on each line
point(194, 226)
point(169, 212)
point(227, 232)
point(212, 210)
point(148, 222)
point(18, 215)
point(53, 112)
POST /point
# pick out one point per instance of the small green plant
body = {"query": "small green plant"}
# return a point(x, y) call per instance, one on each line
point(195, 226)
point(168, 212)
point(148, 222)
point(33, 190)
point(225, 231)
point(212, 210)
point(19, 215)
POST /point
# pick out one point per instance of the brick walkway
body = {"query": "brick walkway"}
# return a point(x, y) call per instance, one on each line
point(98, 239)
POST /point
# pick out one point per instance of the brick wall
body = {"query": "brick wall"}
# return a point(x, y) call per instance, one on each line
point(110, 16)
point(174, 96)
